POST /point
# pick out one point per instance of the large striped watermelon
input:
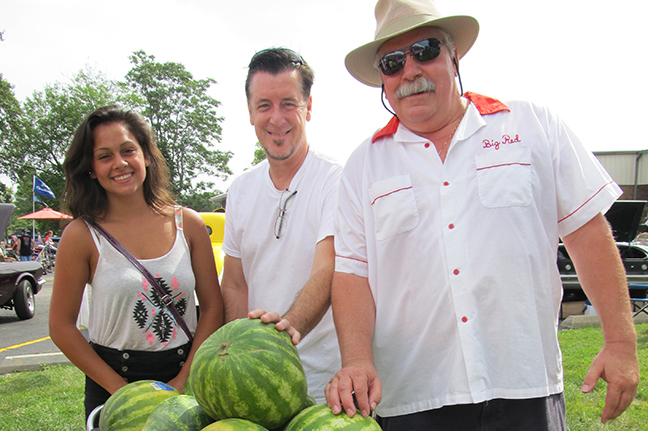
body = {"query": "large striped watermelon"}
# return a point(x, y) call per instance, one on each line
point(247, 369)
point(181, 413)
point(310, 401)
point(129, 407)
point(320, 417)
point(187, 389)
point(234, 424)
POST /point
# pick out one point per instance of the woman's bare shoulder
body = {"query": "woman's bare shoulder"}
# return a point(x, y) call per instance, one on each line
point(77, 230)
point(192, 217)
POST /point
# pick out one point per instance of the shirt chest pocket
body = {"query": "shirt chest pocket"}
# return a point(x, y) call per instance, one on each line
point(504, 178)
point(394, 206)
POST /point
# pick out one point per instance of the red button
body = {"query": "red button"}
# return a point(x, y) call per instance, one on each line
point(450, 226)
point(464, 319)
point(427, 145)
point(455, 272)
point(445, 183)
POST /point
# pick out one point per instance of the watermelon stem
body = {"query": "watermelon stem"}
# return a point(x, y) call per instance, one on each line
point(222, 350)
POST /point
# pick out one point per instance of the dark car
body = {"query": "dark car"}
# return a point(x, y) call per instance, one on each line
point(19, 281)
point(625, 219)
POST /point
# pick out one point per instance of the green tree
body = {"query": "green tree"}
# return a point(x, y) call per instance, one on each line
point(184, 119)
point(23, 200)
point(5, 194)
point(259, 154)
point(49, 120)
point(11, 114)
point(201, 201)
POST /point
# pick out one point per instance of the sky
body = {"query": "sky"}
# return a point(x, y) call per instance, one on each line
point(586, 60)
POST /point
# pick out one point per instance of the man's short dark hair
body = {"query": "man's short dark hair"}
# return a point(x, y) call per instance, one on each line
point(279, 60)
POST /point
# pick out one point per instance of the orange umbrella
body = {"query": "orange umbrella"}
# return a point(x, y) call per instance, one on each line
point(46, 214)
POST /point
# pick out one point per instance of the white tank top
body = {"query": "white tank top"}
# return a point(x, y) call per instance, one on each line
point(126, 312)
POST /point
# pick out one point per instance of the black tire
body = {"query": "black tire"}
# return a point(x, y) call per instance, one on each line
point(24, 302)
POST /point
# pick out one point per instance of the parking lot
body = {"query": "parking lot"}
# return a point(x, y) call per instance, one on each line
point(25, 344)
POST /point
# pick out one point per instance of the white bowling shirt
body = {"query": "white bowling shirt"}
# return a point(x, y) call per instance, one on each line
point(461, 256)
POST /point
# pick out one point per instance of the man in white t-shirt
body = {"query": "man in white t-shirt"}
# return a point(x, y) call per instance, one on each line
point(279, 226)
point(446, 292)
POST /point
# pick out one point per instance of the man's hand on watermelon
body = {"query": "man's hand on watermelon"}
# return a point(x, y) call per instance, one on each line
point(355, 387)
point(313, 300)
point(282, 324)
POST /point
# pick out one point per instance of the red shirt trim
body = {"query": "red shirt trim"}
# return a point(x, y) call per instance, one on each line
point(387, 194)
point(503, 164)
point(585, 203)
point(351, 258)
point(484, 104)
point(388, 130)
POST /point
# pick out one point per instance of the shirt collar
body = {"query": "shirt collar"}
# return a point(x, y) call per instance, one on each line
point(294, 183)
point(485, 106)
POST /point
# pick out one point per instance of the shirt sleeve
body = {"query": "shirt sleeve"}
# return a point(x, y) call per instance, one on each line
point(350, 223)
point(231, 238)
point(329, 202)
point(584, 188)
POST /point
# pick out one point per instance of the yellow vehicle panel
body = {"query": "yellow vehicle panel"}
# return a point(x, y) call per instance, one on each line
point(215, 222)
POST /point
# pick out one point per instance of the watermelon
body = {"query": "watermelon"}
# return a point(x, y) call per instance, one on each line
point(234, 424)
point(187, 389)
point(310, 400)
point(129, 407)
point(320, 417)
point(181, 413)
point(247, 369)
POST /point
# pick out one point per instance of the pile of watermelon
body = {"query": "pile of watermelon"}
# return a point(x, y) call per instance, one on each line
point(245, 376)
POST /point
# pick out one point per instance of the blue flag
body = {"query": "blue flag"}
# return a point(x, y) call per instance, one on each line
point(39, 200)
point(42, 189)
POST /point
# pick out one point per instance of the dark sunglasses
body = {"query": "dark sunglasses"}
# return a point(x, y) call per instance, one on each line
point(422, 51)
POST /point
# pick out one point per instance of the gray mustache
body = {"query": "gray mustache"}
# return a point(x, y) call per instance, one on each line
point(421, 85)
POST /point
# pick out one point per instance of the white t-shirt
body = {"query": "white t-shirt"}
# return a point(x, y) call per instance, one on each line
point(277, 269)
point(461, 256)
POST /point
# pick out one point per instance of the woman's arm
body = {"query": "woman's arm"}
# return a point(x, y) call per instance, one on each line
point(76, 256)
point(207, 288)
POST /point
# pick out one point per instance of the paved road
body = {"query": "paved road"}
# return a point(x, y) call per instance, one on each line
point(25, 344)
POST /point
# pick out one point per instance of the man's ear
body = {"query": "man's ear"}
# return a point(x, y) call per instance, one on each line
point(251, 118)
point(455, 60)
point(309, 107)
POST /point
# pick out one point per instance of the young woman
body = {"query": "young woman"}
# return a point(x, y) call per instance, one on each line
point(117, 177)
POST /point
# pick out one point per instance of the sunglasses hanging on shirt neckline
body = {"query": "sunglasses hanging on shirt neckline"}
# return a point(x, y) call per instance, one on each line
point(286, 195)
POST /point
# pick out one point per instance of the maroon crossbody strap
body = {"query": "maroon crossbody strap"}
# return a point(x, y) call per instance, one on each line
point(166, 299)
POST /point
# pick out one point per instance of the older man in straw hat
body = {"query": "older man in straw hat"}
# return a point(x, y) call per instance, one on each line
point(446, 292)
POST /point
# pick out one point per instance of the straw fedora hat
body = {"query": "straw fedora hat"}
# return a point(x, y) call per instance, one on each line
point(395, 17)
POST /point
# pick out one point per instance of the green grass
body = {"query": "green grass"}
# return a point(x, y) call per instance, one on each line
point(579, 347)
point(43, 400)
point(53, 399)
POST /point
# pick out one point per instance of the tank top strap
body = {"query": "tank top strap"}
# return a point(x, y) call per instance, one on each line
point(178, 215)
point(95, 236)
